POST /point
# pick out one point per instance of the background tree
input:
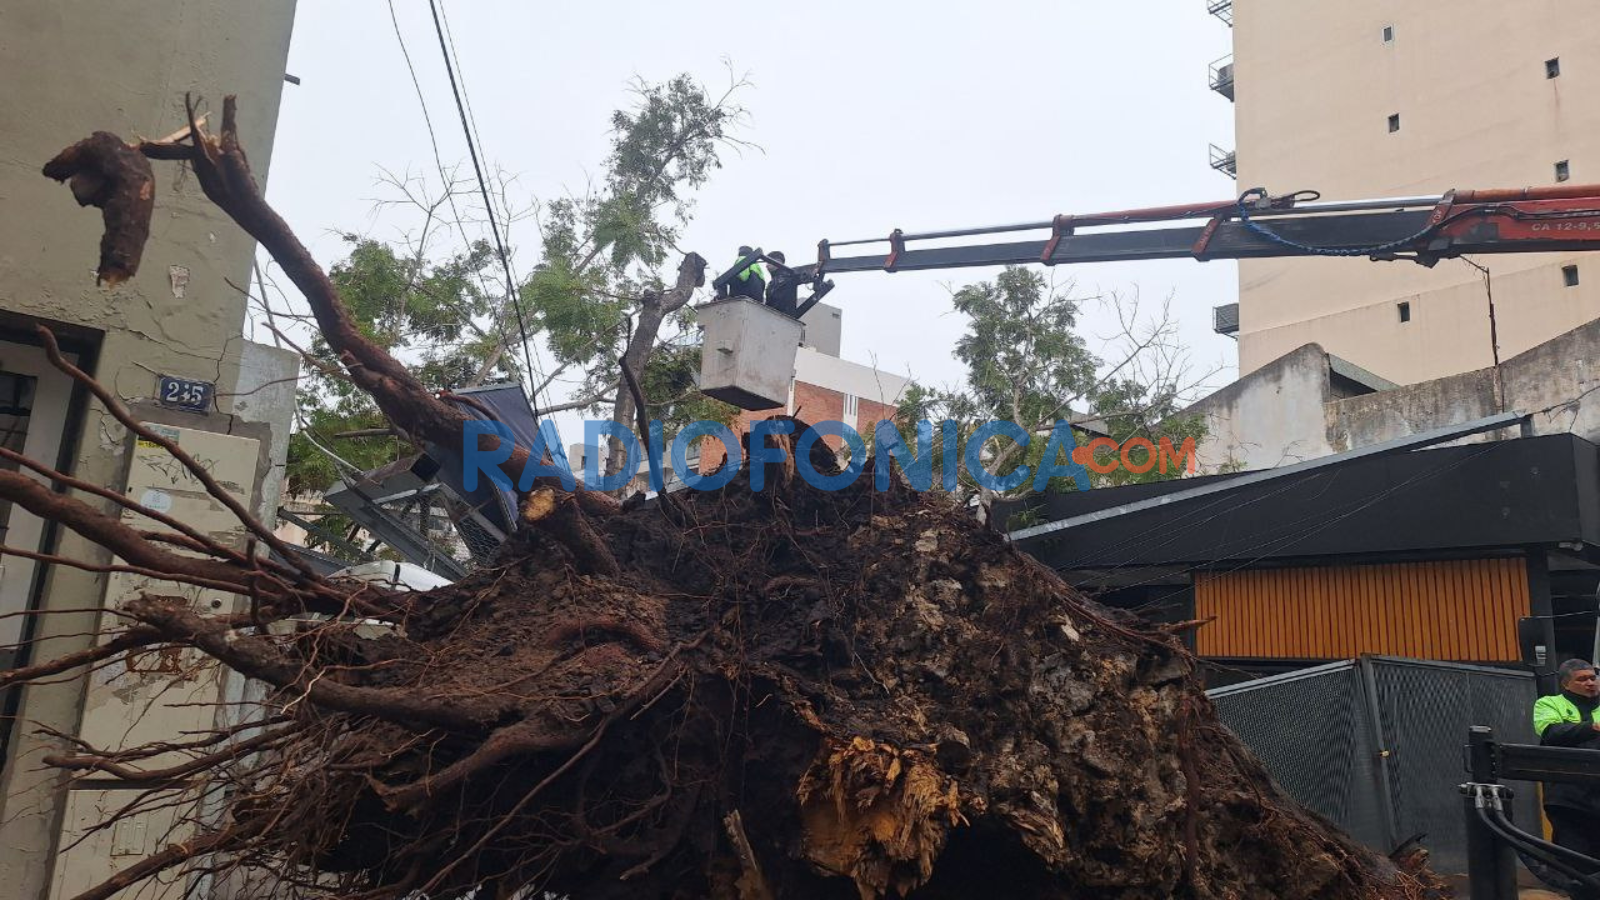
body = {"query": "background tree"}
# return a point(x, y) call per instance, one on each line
point(601, 291)
point(1028, 363)
point(432, 314)
point(599, 294)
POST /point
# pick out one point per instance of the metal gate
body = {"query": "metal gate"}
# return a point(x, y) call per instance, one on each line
point(1374, 745)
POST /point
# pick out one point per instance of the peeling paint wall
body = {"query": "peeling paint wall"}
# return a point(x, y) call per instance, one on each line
point(74, 67)
point(1271, 417)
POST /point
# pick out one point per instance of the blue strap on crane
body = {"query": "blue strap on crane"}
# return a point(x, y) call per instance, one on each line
point(1376, 250)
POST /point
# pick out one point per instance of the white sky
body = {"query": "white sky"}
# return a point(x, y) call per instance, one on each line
point(870, 116)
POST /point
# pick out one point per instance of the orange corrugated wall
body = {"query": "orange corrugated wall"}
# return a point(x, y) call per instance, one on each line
point(1456, 609)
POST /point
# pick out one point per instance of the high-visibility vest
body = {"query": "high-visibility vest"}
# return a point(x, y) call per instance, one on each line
point(1550, 710)
point(755, 268)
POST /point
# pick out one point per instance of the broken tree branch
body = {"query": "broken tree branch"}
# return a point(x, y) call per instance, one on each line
point(224, 174)
point(105, 172)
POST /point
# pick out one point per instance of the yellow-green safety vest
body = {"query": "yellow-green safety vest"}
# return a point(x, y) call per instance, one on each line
point(755, 268)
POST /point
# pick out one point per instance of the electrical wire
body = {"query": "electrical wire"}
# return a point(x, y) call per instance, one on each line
point(444, 179)
point(488, 202)
point(541, 382)
point(466, 93)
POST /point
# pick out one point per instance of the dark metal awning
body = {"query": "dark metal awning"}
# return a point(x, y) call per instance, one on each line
point(1501, 496)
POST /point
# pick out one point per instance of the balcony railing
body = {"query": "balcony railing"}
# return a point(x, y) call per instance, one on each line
point(1222, 9)
point(1224, 161)
point(1220, 74)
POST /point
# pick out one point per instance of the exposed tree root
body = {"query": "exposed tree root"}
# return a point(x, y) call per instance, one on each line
point(892, 700)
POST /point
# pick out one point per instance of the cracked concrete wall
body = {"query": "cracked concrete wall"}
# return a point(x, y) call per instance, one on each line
point(74, 67)
point(1284, 412)
point(1558, 382)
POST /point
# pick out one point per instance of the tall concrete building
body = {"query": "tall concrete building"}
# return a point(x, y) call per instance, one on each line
point(1376, 98)
point(169, 344)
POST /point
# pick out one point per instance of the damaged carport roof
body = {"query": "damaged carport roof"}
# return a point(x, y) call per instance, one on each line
point(1481, 497)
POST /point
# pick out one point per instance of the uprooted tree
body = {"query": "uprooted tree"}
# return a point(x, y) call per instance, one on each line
point(733, 694)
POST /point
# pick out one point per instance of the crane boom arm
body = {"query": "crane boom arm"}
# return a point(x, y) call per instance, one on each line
point(1423, 229)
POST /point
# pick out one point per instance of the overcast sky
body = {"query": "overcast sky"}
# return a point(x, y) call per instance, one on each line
point(870, 116)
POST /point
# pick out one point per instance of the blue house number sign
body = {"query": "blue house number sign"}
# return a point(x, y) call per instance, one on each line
point(181, 393)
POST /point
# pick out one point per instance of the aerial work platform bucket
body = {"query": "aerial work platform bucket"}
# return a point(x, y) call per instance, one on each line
point(748, 358)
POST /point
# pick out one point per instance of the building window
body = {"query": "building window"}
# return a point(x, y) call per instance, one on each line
point(1394, 123)
point(1552, 67)
point(1563, 170)
point(1404, 307)
point(850, 404)
point(1388, 34)
point(1569, 276)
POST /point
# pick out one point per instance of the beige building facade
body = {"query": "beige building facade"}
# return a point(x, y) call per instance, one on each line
point(1376, 98)
point(73, 67)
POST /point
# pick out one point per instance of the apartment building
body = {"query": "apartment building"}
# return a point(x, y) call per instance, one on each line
point(1377, 98)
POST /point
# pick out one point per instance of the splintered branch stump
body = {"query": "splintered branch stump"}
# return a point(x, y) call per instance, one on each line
point(738, 695)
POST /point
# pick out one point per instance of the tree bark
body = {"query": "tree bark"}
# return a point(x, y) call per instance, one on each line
point(654, 309)
point(221, 167)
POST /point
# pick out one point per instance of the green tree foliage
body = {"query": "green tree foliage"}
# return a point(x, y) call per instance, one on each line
point(1027, 363)
point(596, 292)
point(602, 254)
point(431, 314)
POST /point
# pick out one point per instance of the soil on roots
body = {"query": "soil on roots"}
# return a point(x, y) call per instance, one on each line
point(791, 693)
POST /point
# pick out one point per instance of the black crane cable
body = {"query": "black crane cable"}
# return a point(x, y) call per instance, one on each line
point(483, 187)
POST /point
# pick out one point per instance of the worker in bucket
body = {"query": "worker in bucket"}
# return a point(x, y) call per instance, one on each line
point(1567, 719)
point(783, 294)
point(751, 282)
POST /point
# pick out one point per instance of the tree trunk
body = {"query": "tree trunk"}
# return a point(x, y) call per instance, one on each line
point(653, 310)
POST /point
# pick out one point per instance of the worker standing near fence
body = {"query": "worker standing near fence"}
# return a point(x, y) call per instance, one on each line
point(1567, 719)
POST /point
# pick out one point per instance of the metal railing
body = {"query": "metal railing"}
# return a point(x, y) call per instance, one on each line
point(1220, 75)
point(1224, 161)
point(1222, 9)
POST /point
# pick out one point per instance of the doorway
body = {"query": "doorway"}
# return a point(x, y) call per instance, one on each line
point(34, 401)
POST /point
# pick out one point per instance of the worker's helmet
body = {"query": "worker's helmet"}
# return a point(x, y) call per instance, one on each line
point(777, 256)
point(745, 250)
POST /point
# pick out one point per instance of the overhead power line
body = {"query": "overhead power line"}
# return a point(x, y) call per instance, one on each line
point(445, 179)
point(483, 186)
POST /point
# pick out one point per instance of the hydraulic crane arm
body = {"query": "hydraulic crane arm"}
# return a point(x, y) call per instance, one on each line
point(1257, 225)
